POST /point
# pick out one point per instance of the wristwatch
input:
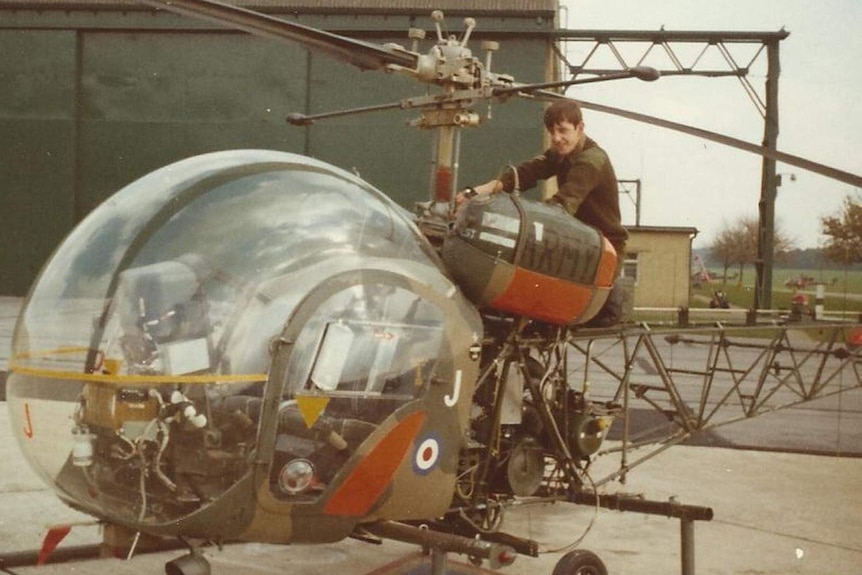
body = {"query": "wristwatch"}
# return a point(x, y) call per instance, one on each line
point(470, 193)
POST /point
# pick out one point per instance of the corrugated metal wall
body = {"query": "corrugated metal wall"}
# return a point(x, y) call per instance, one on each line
point(521, 8)
point(94, 99)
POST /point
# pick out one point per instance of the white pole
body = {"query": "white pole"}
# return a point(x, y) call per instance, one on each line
point(818, 301)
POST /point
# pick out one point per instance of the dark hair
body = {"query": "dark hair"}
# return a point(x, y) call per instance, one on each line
point(563, 111)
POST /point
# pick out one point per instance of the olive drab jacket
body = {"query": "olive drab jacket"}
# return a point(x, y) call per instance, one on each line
point(587, 187)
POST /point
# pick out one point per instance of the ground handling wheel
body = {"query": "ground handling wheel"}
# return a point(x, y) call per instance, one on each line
point(580, 562)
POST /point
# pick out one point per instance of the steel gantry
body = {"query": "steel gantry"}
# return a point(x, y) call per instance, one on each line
point(663, 49)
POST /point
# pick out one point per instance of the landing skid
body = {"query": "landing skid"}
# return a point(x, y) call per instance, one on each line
point(431, 562)
point(483, 557)
point(435, 562)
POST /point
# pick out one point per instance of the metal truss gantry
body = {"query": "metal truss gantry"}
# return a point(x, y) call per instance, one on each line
point(664, 50)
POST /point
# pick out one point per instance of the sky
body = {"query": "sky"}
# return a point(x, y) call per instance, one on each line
point(686, 181)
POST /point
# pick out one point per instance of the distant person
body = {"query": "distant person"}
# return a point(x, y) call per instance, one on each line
point(586, 185)
point(719, 300)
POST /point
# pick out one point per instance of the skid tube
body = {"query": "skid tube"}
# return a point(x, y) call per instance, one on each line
point(439, 543)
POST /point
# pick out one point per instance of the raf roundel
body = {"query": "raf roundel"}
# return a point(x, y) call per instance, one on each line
point(427, 455)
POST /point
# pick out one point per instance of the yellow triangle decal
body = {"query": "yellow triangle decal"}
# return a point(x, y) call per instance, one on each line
point(311, 406)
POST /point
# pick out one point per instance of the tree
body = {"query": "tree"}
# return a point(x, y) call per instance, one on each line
point(727, 249)
point(737, 244)
point(844, 231)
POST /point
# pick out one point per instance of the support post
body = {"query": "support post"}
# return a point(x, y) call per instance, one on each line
point(766, 229)
point(624, 189)
point(819, 299)
point(686, 529)
point(439, 562)
point(687, 515)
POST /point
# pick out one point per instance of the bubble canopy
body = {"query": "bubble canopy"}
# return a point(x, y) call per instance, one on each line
point(155, 319)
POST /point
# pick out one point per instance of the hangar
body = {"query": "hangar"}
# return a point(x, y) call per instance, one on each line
point(100, 92)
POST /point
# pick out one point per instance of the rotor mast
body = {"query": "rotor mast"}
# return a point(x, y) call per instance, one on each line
point(452, 65)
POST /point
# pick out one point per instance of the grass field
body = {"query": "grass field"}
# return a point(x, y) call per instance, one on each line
point(843, 289)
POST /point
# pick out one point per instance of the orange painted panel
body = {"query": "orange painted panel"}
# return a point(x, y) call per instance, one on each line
point(544, 298)
point(606, 274)
point(373, 474)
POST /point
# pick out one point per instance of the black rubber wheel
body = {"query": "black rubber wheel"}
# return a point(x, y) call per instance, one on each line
point(580, 562)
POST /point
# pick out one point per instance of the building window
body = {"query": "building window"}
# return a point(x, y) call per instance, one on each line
point(630, 267)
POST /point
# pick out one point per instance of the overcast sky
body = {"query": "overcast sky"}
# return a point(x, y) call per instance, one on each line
point(692, 182)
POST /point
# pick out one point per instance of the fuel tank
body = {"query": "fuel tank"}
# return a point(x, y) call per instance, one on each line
point(529, 259)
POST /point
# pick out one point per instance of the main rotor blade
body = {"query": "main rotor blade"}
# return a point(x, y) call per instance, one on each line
point(365, 55)
point(817, 168)
point(643, 73)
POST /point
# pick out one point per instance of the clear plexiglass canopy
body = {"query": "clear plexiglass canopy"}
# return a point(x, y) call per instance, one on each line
point(144, 352)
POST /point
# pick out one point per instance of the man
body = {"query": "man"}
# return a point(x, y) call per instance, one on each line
point(586, 183)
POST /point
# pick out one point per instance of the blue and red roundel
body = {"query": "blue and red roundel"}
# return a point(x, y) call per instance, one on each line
point(427, 454)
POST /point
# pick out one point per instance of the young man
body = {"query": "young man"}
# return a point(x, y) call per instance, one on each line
point(586, 183)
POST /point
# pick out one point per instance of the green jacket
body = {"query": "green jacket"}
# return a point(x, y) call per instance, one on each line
point(587, 187)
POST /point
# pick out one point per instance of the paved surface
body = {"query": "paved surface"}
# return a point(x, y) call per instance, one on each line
point(775, 512)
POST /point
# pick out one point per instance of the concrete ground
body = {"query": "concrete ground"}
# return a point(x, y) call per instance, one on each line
point(775, 512)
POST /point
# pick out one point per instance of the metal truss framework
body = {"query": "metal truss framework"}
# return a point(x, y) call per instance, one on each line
point(698, 379)
point(664, 50)
point(672, 53)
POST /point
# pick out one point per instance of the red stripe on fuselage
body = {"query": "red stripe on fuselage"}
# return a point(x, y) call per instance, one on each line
point(374, 472)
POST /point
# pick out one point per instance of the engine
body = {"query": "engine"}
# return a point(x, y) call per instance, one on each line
point(531, 434)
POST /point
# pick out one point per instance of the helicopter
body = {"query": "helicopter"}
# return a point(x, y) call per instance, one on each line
point(255, 345)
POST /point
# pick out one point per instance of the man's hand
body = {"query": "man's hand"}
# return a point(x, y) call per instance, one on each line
point(485, 189)
point(464, 195)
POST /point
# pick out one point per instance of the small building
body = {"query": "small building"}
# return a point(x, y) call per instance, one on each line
point(658, 259)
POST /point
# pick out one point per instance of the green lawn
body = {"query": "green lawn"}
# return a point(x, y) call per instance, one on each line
point(843, 289)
